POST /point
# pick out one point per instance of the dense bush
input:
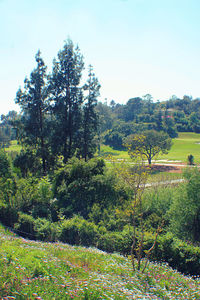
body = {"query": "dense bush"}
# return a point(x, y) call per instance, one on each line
point(25, 226)
point(79, 185)
point(178, 254)
point(78, 231)
point(46, 230)
point(8, 214)
point(5, 169)
point(185, 209)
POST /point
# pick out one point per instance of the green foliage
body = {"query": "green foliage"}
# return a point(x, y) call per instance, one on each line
point(46, 230)
point(149, 144)
point(156, 204)
point(34, 125)
point(77, 231)
point(7, 131)
point(180, 255)
point(185, 209)
point(34, 197)
point(5, 170)
point(25, 226)
point(81, 184)
point(8, 214)
point(90, 118)
point(190, 159)
point(115, 137)
point(27, 161)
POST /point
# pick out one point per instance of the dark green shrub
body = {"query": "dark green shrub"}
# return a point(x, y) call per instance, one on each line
point(78, 231)
point(8, 214)
point(80, 185)
point(190, 159)
point(5, 170)
point(25, 226)
point(178, 254)
point(45, 230)
point(115, 242)
point(27, 162)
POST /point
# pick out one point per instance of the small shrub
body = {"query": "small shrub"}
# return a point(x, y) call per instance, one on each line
point(190, 159)
point(78, 231)
point(45, 230)
point(25, 226)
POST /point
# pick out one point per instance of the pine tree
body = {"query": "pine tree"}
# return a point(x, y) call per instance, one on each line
point(66, 99)
point(90, 117)
point(34, 104)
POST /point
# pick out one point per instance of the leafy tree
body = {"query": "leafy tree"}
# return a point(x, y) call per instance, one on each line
point(195, 121)
point(169, 125)
point(34, 104)
point(90, 118)
point(66, 99)
point(149, 103)
point(133, 107)
point(158, 120)
point(105, 122)
point(149, 144)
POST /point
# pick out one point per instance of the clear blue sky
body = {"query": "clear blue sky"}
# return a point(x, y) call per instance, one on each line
point(135, 46)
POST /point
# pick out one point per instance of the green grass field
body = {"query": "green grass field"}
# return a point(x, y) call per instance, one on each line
point(14, 147)
point(36, 270)
point(187, 143)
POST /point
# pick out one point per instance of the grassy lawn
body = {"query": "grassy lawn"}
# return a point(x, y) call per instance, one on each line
point(14, 147)
point(36, 270)
point(187, 143)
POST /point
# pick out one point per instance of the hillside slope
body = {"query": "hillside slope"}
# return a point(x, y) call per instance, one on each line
point(36, 270)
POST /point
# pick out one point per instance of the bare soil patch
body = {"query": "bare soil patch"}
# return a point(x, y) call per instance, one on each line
point(168, 168)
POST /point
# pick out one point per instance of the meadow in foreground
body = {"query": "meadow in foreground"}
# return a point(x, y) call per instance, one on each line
point(36, 270)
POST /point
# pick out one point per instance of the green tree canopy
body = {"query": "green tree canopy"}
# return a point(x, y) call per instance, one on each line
point(149, 144)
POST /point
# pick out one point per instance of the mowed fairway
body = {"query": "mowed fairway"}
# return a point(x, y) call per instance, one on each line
point(187, 143)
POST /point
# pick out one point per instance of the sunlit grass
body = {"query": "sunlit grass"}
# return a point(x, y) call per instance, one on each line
point(36, 270)
point(14, 147)
point(187, 143)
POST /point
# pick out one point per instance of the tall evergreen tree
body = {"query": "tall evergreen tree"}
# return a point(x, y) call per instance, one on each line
point(90, 117)
point(66, 99)
point(34, 104)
